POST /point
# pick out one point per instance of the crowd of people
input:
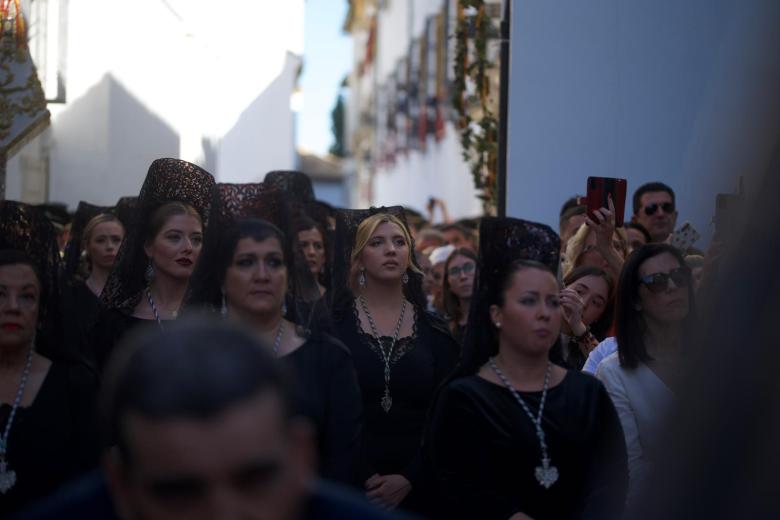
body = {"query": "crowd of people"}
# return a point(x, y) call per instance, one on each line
point(208, 350)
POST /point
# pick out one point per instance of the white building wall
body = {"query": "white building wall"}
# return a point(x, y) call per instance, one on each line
point(679, 92)
point(207, 82)
point(439, 171)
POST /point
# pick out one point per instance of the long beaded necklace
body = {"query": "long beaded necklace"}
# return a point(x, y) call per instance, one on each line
point(387, 401)
point(7, 475)
point(546, 474)
point(278, 340)
point(154, 308)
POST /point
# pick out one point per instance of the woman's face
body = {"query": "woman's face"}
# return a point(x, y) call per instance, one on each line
point(460, 276)
point(313, 247)
point(670, 303)
point(594, 292)
point(635, 239)
point(176, 247)
point(256, 279)
point(20, 293)
point(530, 317)
point(104, 243)
point(386, 254)
point(425, 264)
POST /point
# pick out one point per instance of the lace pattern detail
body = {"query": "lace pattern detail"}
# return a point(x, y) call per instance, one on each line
point(168, 180)
point(402, 347)
point(293, 184)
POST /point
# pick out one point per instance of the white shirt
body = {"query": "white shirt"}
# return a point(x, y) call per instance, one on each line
point(598, 354)
point(641, 400)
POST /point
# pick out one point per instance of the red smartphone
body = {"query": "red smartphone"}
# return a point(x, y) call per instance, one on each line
point(599, 190)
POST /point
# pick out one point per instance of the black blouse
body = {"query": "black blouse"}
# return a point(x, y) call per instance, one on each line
point(327, 393)
point(111, 325)
point(419, 364)
point(54, 439)
point(80, 309)
point(482, 449)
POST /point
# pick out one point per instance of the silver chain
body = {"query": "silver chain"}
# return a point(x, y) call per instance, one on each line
point(15, 407)
point(153, 306)
point(278, 340)
point(387, 357)
point(546, 474)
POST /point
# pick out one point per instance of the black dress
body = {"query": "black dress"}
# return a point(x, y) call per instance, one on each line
point(420, 363)
point(483, 450)
point(110, 328)
point(54, 439)
point(80, 309)
point(327, 393)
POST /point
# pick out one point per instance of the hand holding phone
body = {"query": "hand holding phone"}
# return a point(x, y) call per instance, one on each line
point(599, 191)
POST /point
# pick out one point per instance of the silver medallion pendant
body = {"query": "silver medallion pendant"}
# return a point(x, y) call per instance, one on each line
point(546, 475)
point(7, 477)
point(387, 401)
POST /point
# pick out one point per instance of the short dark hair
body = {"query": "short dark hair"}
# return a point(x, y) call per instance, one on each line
point(466, 232)
point(195, 369)
point(629, 324)
point(647, 188)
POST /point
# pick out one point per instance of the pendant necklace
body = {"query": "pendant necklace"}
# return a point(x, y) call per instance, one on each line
point(7, 475)
point(546, 474)
point(387, 400)
point(278, 340)
point(154, 308)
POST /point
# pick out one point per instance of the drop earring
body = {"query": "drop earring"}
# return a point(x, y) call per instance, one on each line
point(405, 278)
point(362, 278)
point(149, 273)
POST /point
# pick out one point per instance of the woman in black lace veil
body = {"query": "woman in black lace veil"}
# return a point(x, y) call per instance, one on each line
point(158, 255)
point(248, 273)
point(46, 399)
point(401, 352)
point(487, 456)
point(95, 229)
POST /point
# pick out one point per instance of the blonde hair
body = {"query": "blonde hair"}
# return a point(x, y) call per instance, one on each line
point(94, 222)
point(575, 247)
point(363, 234)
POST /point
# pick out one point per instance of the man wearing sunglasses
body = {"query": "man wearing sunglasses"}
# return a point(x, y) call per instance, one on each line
point(655, 209)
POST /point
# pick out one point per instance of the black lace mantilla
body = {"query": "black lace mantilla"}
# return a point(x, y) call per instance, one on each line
point(296, 185)
point(168, 180)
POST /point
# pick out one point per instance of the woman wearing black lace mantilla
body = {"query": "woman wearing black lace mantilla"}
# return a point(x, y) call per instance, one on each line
point(158, 255)
point(401, 353)
point(514, 436)
point(248, 274)
point(48, 433)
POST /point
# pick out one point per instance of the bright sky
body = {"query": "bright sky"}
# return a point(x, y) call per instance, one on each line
point(327, 59)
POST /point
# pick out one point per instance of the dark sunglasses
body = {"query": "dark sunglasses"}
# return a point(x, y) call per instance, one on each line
point(667, 207)
point(465, 269)
point(659, 282)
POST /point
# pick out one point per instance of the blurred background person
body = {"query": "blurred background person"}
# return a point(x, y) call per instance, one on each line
point(311, 239)
point(438, 258)
point(457, 289)
point(655, 209)
point(637, 235)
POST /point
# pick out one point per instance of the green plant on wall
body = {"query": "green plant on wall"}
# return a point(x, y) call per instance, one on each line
point(477, 121)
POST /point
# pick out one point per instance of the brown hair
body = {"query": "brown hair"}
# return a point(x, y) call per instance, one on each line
point(161, 215)
point(363, 235)
point(450, 301)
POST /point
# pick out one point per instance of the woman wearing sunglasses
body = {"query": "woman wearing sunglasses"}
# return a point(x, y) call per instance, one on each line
point(654, 307)
point(457, 289)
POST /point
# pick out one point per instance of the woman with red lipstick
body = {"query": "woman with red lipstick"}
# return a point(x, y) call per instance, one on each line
point(47, 420)
point(158, 256)
point(457, 289)
point(512, 435)
point(247, 274)
point(401, 352)
point(654, 309)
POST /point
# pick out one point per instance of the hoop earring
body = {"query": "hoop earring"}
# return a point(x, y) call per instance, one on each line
point(362, 278)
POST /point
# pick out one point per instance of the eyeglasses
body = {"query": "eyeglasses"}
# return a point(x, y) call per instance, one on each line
point(659, 282)
point(667, 207)
point(465, 269)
